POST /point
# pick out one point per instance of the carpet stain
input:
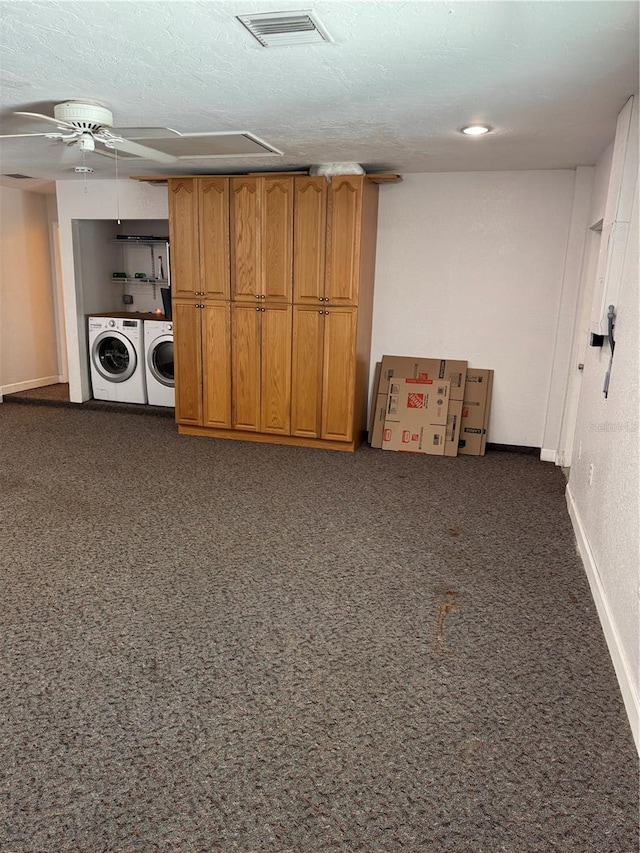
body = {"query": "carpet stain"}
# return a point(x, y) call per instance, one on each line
point(470, 748)
point(447, 606)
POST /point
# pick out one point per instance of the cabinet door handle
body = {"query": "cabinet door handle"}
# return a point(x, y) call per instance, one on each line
point(257, 307)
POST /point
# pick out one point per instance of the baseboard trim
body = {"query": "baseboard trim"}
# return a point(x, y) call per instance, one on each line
point(616, 650)
point(514, 448)
point(547, 455)
point(31, 383)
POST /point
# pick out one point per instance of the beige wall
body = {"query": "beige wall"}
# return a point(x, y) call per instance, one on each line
point(28, 337)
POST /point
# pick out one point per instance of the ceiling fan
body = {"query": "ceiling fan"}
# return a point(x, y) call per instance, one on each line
point(85, 123)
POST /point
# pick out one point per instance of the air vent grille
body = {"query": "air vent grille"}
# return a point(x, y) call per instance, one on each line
point(274, 29)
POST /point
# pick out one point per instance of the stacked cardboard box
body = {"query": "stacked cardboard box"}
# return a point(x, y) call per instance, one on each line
point(475, 412)
point(416, 418)
point(469, 396)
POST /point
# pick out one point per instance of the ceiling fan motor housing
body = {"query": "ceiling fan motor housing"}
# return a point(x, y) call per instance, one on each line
point(84, 116)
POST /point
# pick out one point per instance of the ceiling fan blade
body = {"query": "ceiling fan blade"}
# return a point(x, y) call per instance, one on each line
point(58, 122)
point(17, 135)
point(140, 150)
point(103, 153)
point(144, 132)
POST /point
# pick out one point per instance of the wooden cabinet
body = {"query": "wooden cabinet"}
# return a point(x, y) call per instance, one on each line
point(184, 245)
point(187, 358)
point(272, 317)
point(309, 243)
point(262, 238)
point(323, 373)
point(335, 233)
point(352, 221)
point(213, 209)
point(199, 241)
point(306, 371)
point(202, 361)
point(261, 368)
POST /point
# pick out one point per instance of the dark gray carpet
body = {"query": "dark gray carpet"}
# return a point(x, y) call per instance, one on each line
point(58, 395)
point(222, 646)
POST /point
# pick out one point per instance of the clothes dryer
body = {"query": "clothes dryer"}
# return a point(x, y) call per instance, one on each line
point(158, 336)
point(116, 356)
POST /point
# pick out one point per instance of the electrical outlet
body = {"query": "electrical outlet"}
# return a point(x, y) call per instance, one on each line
point(591, 473)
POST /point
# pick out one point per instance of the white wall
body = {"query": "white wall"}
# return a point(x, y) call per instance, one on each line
point(562, 365)
point(95, 259)
point(94, 200)
point(470, 266)
point(604, 482)
point(28, 349)
point(582, 310)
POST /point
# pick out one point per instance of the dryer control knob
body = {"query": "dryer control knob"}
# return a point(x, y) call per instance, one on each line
point(169, 327)
point(112, 323)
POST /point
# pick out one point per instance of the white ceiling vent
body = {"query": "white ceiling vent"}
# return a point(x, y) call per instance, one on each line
point(273, 29)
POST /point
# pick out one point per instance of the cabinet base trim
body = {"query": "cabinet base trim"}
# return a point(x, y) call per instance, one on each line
point(267, 438)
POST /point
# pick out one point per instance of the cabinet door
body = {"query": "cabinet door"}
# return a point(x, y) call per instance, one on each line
point(309, 240)
point(183, 228)
point(245, 238)
point(343, 240)
point(277, 238)
point(245, 366)
point(338, 380)
point(306, 371)
point(187, 352)
point(213, 200)
point(275, 402)
point(216, 364)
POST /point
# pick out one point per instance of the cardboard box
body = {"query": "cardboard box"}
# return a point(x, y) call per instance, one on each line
point(428, 439)
point(454, 420)
point(405, 367)
point(372, 413)
point(416, 416)
point(379, 413)
point(475, 412)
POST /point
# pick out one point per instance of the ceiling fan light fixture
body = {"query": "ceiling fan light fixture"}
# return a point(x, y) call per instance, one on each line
point(476, 129)
point(86, 142)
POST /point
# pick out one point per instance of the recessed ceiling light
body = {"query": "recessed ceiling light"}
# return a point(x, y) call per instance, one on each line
point(476, 129)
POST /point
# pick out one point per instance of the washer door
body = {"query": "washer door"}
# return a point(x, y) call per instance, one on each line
point(160, 360)
point(114, 356)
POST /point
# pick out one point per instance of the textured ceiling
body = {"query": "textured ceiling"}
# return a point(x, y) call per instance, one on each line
point(390, 92)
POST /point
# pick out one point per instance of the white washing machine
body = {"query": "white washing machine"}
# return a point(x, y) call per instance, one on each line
point(116, 356)
point(158, 344)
